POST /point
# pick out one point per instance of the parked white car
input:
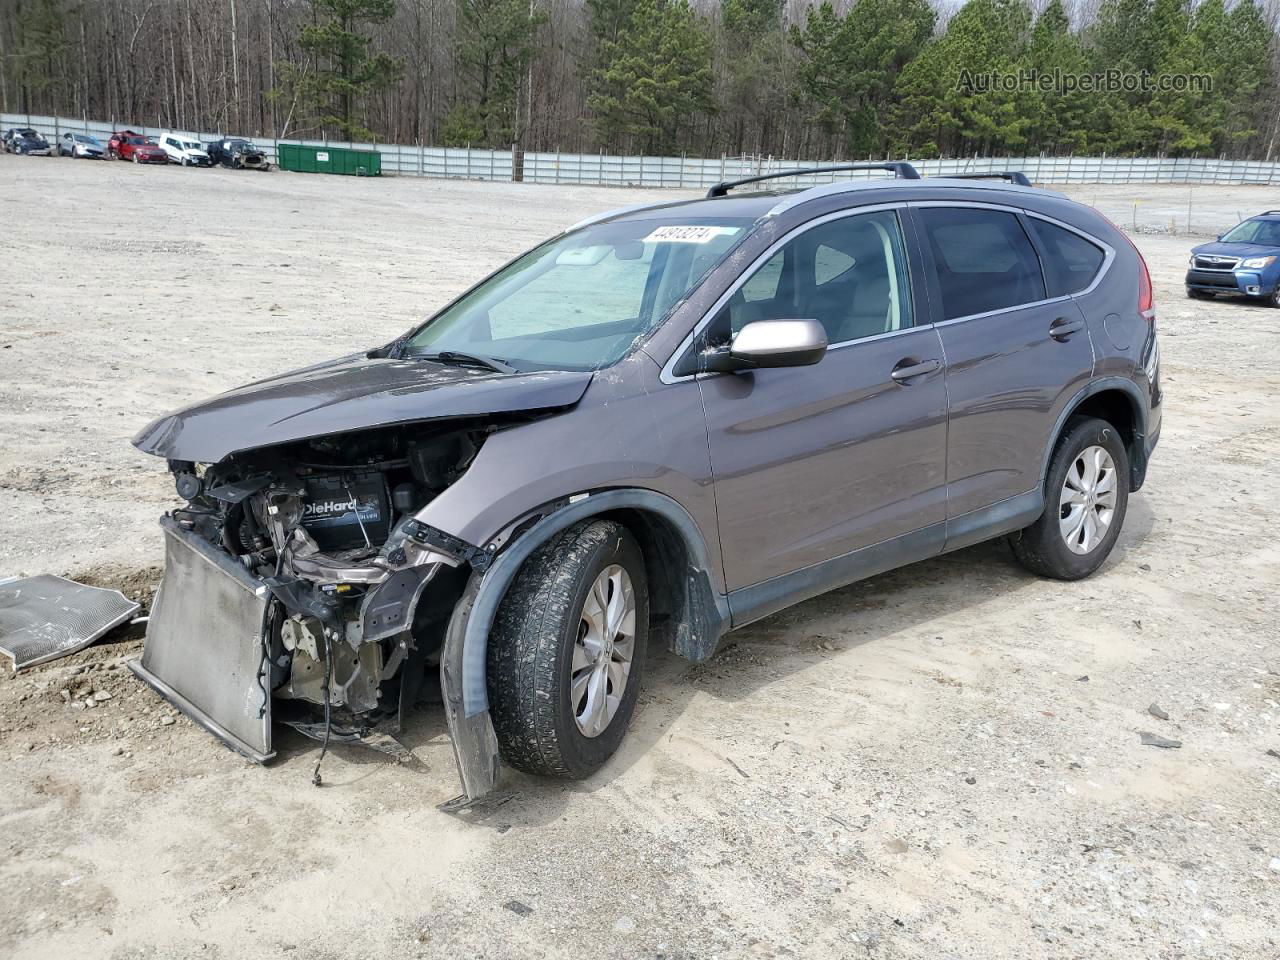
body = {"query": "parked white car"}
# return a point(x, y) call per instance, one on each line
point(183, 150)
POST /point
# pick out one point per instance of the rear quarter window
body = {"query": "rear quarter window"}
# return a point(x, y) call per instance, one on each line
point(1070, 261)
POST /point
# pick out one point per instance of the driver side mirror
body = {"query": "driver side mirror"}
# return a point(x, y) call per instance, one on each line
point(770, 343)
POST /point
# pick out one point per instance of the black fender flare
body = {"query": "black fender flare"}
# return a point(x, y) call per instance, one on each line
point(463, 673)
point(1124, 385)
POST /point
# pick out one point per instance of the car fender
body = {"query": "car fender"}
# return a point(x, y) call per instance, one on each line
point(1126, 386)
point(463, 662)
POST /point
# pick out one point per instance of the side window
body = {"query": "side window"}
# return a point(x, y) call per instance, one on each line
point(983, 258)
point(1071, 262)
point(849, 274)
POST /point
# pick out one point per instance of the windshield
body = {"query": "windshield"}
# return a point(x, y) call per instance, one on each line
point(578, 302)
point(1255, 231)
point(81, 138)
point(188, 145)
point(136, 141)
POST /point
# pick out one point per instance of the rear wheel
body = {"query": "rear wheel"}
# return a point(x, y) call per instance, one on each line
point(567, 651)
point(1086, 497)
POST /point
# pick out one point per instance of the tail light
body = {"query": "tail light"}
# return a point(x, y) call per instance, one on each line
point(1146, 298)
point(1146, 295)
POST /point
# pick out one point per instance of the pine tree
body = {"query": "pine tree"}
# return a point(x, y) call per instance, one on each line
point(851, 65)
point(42, 44)
point(1060, 119)
point(343, 70)
point(657, 77)
point(495, 44)
point(943, 105)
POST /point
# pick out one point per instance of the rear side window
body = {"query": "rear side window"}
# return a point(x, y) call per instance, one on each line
point(983, 259)
point(1071, 262)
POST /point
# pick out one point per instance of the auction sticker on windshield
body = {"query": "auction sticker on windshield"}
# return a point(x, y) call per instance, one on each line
point(678, 234)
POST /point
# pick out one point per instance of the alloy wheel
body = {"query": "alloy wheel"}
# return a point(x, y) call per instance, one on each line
point(603, 651)
point(1088, 501)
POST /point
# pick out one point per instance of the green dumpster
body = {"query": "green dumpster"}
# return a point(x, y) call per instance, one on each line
point(304, 159)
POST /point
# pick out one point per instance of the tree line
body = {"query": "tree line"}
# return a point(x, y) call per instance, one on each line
point(809, 79)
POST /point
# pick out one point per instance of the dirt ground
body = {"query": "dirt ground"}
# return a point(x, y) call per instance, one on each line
point(943, 762)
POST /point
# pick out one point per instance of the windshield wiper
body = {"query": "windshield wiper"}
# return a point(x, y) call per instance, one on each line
point(475, 359)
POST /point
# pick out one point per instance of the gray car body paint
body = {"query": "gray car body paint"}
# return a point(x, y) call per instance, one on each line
point(631, 437)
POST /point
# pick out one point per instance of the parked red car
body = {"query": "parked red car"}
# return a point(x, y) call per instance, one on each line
point(127, 145)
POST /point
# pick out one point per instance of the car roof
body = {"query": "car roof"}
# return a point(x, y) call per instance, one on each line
point(772, 202)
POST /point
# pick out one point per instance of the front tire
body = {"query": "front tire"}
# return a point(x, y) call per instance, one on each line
point(567, 652)
point(1086, 497)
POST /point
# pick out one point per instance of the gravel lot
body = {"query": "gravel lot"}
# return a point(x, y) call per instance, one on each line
point(943, 762)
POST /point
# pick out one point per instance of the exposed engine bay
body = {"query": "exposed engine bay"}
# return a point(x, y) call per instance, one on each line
point(349, 633)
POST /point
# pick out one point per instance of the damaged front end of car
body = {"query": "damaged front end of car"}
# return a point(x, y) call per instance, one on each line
point(300, 584)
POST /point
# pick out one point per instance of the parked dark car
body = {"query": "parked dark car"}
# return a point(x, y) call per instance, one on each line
point(80, 145)
point(237, 152)
point(664, 423)
point(26, 141)
point(1244, 262)
point(127, 145)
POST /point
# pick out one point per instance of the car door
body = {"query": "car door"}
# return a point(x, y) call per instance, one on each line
point(813, 465)
point(1014, 357)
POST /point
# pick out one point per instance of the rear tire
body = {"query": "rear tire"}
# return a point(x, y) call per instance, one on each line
point(552, 660)
point(1086, 498)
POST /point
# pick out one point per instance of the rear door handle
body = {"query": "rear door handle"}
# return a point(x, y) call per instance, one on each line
point(1062, 328)
point(910, 369)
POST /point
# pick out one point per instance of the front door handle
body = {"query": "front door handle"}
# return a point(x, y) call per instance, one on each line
point(910, 369)
point(1062, 328)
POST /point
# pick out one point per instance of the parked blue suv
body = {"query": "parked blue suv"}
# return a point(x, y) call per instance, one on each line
point(1244, 261)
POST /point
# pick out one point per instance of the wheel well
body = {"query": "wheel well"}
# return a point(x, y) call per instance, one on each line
point(682, 612)
point(1117, 408)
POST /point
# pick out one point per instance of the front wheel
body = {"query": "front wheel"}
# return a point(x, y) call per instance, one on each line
point(567, 651)
point(1274, 298)
point(1086, 496)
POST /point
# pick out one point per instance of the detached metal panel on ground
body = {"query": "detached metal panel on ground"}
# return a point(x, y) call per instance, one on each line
point(46, 617)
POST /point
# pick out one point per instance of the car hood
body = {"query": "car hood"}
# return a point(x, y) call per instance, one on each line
point(1220, 249)
point(350, 393)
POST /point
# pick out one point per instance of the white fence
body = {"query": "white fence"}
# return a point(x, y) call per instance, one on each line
point(694, 173)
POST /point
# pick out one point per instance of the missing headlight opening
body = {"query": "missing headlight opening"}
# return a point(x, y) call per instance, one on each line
point(322, 533)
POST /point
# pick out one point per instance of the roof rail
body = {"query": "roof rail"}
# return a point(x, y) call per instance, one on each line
point(899, 168)
point(1266, 213)
point(1013, 176)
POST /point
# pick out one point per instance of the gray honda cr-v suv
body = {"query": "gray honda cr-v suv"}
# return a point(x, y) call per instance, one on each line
point(660, 425)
